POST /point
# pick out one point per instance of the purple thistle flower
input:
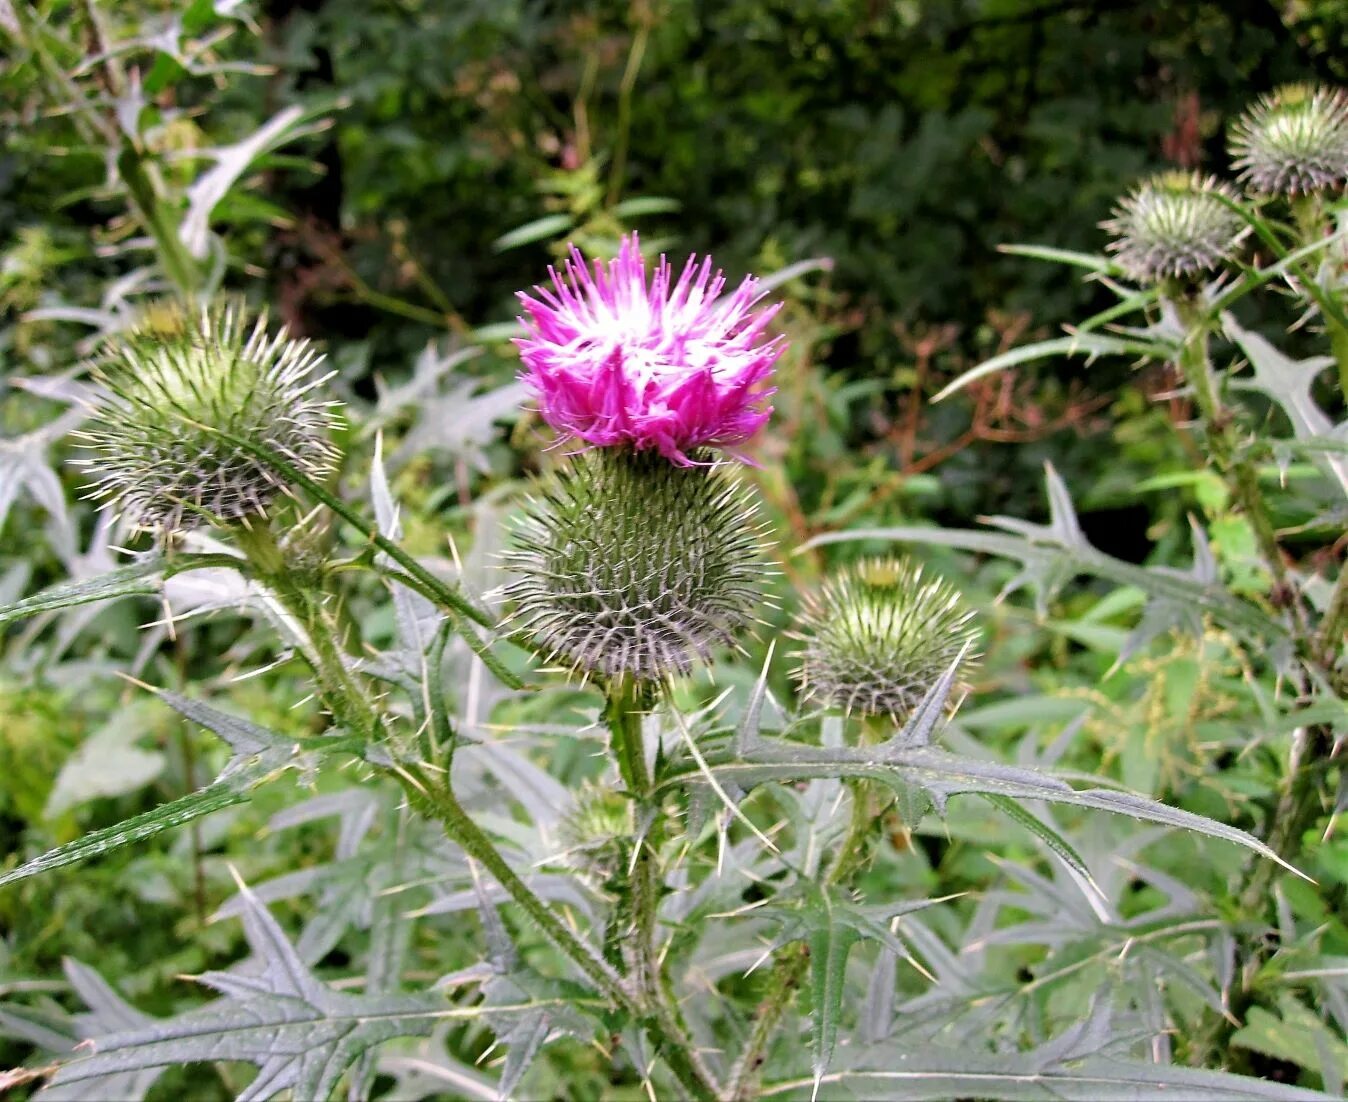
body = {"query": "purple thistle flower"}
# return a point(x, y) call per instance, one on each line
point(670, 366)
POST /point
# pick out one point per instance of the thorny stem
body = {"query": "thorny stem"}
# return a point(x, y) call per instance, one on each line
point(1338, 343)
point(446, 596)
point(437, 801)
point(627, 701)
point(338, 691)
point(1334, 627)
point(1300, 801)
point(351, 708)
point(1197, 371)
point(624, 709)
point(790, 968)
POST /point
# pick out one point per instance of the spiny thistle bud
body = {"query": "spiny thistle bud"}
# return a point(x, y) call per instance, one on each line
point(1294, 140)
point(631, 565)
point(171, 386)
point(596, 831)
point(1174, 225)
point(877, 637)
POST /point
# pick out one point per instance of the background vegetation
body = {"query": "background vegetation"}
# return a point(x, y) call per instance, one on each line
point(427, 160)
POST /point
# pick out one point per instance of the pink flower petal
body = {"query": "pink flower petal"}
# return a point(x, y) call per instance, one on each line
point(617, 361)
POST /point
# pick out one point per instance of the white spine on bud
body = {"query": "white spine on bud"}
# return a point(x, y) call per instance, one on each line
point(627, 565)
point(173, 388)
point(878, 635)
point(1174, 226)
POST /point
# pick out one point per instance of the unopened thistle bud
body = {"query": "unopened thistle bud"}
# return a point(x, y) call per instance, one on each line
point(173, 387)
point(878, 636)
point(596, 832)
point(1293, 141)
point(629, 565)
point(1175, 225)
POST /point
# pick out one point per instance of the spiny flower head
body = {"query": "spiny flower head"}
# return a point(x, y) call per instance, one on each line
point(1174, 225)
point(878, 635)
point(628, 565)
point(619, 360)
point(596, 831)
point(1293, 140)
point(171, 385)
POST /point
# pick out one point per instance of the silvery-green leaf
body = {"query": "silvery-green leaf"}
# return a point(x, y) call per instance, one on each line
point(1090, 345)
point(1053, 554)
point(301, 1035)
point(907, 760)
point(540, 229)
point(831, 926)
point(108, 1013)
point(258, 755)
point(428, 1072)
point(929, 1074)
point(251, 743)
point(138, 579)
point(136, 829)
point(1295, 1034)
point(231, 162)
point(108, 763)
point(1288, 382)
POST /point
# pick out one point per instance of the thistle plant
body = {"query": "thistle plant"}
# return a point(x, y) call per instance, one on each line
point(877, 637)
point(702, 908)
point(178, 391)
point(1175, 236)
point(1293, 141)
point(1175, 225)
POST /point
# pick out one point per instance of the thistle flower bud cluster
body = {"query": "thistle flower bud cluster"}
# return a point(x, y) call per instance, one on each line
point(175, 389)
point(630, 565)
point(878, 635)
point(1174, 226)
point(1293, 141)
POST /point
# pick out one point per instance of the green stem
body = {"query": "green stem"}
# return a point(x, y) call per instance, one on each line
point(787, 974)
point(627, 703)
point(439, 802)
point(429, 585)
point(1196, 368)
point(1334, 627)
point(1338, 344)
point(337, 689)
point(790, 969)
point(1300, 801)
point(179, 265)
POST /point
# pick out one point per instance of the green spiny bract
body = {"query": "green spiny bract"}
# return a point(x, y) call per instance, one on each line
point(1175, 225)
point(597, 831)
point(877, 636)
point(629, 565)
point(172, 386)
point(1293, 141)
